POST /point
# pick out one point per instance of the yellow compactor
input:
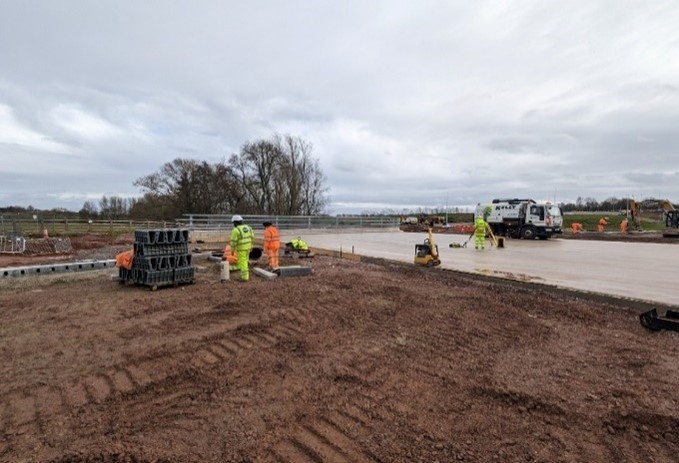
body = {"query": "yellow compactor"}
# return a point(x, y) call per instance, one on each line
point(427, 253)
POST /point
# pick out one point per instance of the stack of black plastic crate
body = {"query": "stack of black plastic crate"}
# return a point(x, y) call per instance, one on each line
point(161, 258)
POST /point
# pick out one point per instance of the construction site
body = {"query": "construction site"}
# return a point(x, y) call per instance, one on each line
point(532, 352)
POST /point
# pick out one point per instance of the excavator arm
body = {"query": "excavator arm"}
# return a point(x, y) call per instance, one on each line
point(635, 211)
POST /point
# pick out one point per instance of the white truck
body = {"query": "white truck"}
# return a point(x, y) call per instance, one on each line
point(521, 218)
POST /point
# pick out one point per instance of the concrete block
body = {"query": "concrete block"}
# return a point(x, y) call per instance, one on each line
point(294, 271)
point(263, 273)
point(56, 268)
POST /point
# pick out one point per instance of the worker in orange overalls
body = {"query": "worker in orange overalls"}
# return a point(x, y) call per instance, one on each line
point(272, 244)
point(576, 227)
point(602, 223)
point(624, 224)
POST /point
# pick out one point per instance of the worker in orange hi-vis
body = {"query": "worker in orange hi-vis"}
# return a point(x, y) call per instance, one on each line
point(576, 227)
point(272, 244)
point(602, 223)
point(231, 258)
point(624, 225)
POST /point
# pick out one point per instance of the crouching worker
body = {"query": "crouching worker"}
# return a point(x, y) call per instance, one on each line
point(231, 258)
point(298, 245)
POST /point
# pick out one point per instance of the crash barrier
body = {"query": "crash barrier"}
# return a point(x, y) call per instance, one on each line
point(47, 269)
point(287, 222)
point(161, 258)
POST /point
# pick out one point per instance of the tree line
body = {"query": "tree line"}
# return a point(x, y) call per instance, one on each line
point(589, 204)
point(275, 176)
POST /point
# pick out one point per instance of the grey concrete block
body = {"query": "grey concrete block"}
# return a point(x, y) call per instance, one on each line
point(294, 271)
point(263, 273)
point(47, 269)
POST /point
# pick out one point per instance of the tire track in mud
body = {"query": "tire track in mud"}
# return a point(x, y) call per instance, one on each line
point(31, 411)
point(336, 436)
point(325, 439)
point(661, 430)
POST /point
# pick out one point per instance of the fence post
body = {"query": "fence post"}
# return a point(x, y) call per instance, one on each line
point(110, 226)
point(309, 222)
point(130, 229)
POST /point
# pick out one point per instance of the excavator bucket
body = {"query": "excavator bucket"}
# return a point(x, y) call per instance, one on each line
point(652, 321)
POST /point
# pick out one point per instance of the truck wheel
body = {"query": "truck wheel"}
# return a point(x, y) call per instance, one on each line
point(528, 233)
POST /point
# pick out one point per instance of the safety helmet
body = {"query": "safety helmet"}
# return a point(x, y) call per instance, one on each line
point(236, 218)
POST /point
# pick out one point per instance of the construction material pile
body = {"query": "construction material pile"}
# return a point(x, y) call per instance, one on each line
point(161, 258)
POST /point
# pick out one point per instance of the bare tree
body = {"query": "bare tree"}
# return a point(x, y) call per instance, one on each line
point(275, 176)
point(88, 210)
point(280, 176)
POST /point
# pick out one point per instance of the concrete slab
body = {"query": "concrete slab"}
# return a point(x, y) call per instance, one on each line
point(263, 273)
point(645, 271)
point(294, 271)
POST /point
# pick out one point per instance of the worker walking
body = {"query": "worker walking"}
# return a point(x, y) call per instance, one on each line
point(272, 244)
point(242, 238)
point(480, 233)
point(602, 223)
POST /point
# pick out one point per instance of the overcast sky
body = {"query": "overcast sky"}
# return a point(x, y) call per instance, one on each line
point(407, 103)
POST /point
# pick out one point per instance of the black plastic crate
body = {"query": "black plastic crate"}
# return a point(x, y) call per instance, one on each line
point(162, 236)
point(184, 274)
point(153, 277)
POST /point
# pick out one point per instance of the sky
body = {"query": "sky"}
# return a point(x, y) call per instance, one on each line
point(408, 104)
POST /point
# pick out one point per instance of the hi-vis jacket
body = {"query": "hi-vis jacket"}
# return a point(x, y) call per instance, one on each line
point(242, 238)
point(480, 227)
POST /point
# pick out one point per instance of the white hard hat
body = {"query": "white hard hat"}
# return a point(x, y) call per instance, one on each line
point(236, 218)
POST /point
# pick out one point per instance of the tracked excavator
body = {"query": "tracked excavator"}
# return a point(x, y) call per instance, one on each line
point(670, 213)
point(427, 253)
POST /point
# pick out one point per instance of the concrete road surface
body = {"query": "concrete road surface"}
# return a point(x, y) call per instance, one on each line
point(645, 271)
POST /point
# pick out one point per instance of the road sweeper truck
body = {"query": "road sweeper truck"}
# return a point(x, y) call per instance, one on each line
point(521, 218)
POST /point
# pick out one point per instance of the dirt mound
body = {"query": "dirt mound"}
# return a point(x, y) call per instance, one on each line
point(361, 362)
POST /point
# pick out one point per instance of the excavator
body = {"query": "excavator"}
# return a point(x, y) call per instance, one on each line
point(670, 213)
point(427, 253)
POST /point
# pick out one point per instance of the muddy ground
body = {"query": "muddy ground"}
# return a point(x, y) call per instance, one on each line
point(361, 362)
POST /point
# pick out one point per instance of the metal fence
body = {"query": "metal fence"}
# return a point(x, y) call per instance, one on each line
point(13, 226)
point(289, 222)
point(25, 226)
